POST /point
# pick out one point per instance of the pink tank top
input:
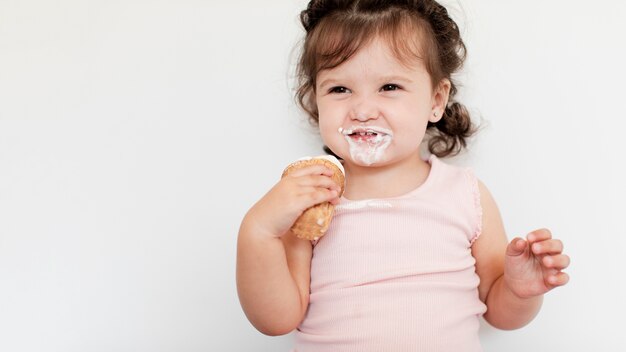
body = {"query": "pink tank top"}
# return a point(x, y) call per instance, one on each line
point(397, 274)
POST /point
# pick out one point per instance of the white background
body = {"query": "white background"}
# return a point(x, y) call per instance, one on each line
point(134, 136)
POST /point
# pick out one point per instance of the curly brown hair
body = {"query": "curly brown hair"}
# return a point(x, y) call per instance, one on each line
point(337, 29)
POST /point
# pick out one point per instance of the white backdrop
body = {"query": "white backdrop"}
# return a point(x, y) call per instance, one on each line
point(134, 136)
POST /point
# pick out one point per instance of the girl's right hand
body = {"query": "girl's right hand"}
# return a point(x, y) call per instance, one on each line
point(274, 214)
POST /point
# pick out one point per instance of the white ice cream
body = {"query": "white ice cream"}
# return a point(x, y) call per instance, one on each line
point(371, 149)
point(330, 158)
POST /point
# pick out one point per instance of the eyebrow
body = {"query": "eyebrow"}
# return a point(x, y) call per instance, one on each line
point(327, 82)
point(331, 81)
point(396, 79)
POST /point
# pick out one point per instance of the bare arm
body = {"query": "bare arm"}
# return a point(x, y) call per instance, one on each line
point(272, 280)
point(273, 266)
point(514, 277)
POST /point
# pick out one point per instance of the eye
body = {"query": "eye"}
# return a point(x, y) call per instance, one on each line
point(338, 90)
point(390, 87)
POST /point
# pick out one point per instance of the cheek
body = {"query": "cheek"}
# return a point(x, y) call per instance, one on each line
point(329, 121)
point(412, 130)
point(417, 128)
point(328, 129)
point(324, 109)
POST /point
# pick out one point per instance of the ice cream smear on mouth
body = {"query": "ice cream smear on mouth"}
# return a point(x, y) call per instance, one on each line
point(367, 144)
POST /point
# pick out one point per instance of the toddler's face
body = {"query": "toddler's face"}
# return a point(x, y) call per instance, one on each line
point(373, 110)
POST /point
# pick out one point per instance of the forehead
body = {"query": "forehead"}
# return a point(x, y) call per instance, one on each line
point(403, 37)
point(377, 59)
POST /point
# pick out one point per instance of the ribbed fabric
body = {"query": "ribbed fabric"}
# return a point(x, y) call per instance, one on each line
point(397, 274)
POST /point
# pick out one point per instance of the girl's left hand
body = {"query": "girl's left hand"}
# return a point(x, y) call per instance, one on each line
point(534, 266)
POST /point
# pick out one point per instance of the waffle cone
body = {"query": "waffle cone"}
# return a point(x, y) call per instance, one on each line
point(314, 221)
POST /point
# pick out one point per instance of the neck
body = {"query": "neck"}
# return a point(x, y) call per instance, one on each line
point(367, 182)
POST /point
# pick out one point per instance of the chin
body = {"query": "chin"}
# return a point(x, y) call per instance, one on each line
point(365, 162)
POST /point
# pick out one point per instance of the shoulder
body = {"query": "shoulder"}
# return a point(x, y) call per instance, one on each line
point(488, 203)
point(447, 174)
point(459, 190)
point(490, 246)
point(492, 224)
point(491, 220)
point(484, 203)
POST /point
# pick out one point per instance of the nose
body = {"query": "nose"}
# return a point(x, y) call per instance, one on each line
point(364, 109)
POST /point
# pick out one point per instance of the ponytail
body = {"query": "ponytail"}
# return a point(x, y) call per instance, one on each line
point(448, 136)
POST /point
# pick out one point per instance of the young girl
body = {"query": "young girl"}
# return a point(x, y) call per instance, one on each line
point(416, 251)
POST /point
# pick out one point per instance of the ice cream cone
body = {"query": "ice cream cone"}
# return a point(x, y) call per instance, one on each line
point(314, 222)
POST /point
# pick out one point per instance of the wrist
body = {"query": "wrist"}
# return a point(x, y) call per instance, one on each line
point(509, 285)
point(507, 310)
point(253, 229)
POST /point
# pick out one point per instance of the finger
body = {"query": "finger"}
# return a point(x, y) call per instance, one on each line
point(539, 235)
point(558, 279)
point(318, 181)
point(558, 262)
point(517, 247)
point(547, 247)
point(317, 196)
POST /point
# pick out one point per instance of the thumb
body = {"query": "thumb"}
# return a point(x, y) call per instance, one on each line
point(517, 247)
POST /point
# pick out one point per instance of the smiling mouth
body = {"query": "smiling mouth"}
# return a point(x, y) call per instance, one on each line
point(365, 134)
point(367, 143)
point(369, 136)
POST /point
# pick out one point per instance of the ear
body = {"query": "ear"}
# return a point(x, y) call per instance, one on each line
point(439, 100)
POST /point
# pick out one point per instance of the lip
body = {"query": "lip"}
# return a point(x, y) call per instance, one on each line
point(368, 135)
point(365, 131)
